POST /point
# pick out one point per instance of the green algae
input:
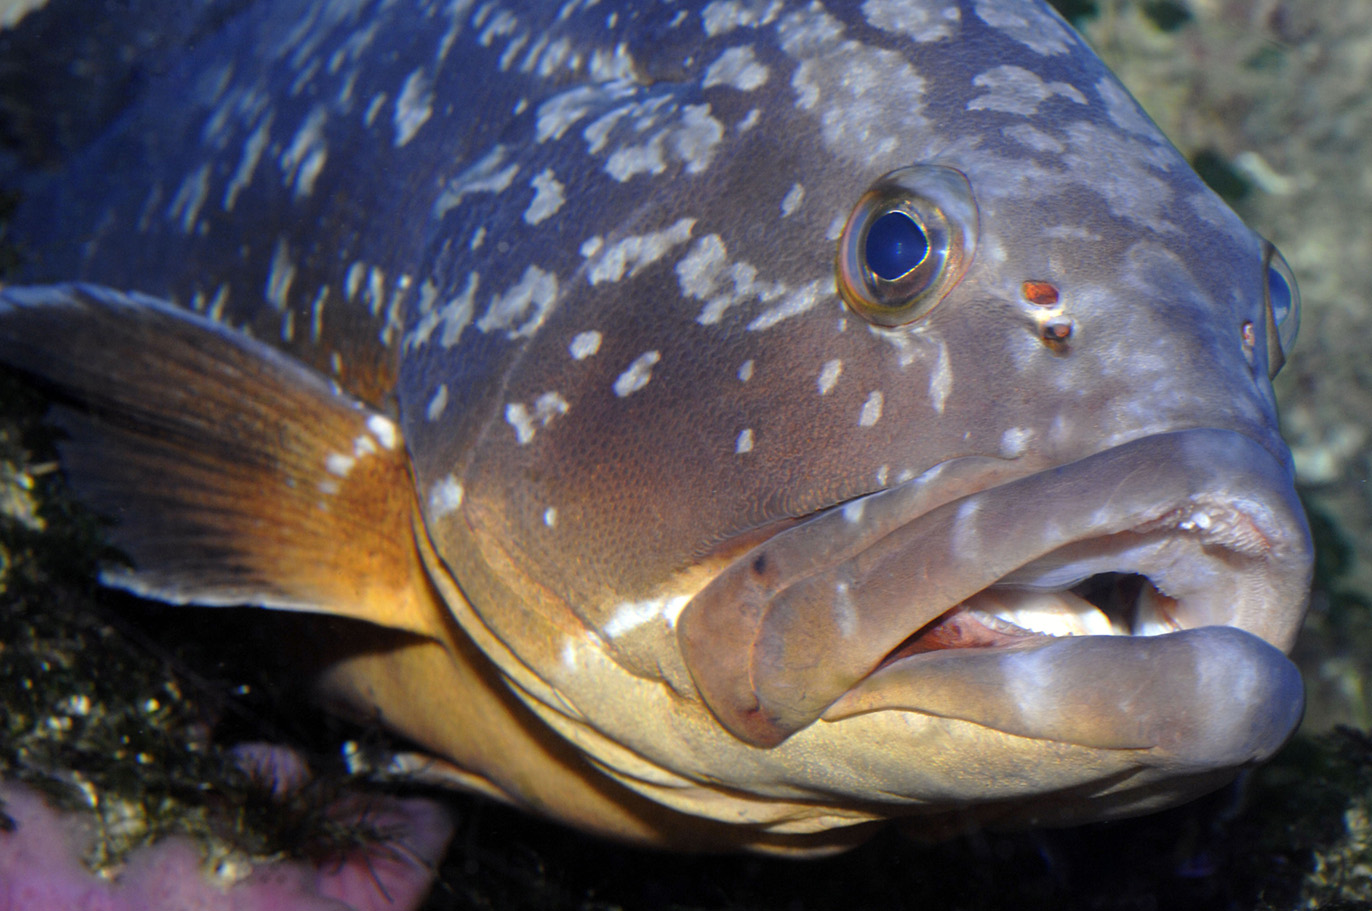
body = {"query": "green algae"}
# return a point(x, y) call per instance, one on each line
point(114, 708)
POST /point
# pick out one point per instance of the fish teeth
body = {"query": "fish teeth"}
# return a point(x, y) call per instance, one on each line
point(1059, 613)
point(1154, 613)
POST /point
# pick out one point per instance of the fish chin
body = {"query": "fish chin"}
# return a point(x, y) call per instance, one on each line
point(1139, 599)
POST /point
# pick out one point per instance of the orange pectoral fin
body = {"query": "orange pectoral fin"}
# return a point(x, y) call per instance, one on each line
point(231, 473)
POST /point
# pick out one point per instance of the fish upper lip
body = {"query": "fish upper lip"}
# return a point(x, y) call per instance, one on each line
point(1209, 517)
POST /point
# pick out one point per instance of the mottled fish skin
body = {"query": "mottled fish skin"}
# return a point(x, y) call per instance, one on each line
point(585, 256)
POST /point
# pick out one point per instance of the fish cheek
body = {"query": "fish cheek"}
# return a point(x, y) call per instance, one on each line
point(481, 735)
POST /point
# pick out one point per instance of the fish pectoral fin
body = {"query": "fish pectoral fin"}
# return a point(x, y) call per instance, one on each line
point(231, 473)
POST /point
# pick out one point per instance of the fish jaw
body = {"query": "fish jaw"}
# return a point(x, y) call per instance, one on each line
point(918, 611)
point(1214, 697)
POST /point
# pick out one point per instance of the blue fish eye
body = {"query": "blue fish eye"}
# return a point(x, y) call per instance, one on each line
point(896, 245)
point(1279, 293)
point(906, 244)
point(1283, 310)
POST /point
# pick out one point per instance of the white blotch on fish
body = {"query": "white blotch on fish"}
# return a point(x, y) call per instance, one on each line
point(692, 142)
point(438, 403)
point(527, 420)
point(793, 303)
point(723, 16)
point(413, 107)
point(521, 310)
point(845, 614)
point(637, 375)
point(548, 197)
point(941, 379)
point(1032, 27)
point(737, 67)
point(488, 175)
point(385, 431)
point(304, 158)
point(828, 375)
point(280, 276)
point(963, 539)
point(1123, 109)
point(1015, 90)
point(445, 497)
point(247, 165)
point(631, 255)
point(630, 615)
point(454, 317)
point(584, 344)
point(844, 82)
point(921, 22)
point(185, 206)
point(1014, 442)
point(373, 108)
point(705, 273)
point(339, 464)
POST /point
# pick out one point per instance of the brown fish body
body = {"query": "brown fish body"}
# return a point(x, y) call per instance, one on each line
point(722, 426)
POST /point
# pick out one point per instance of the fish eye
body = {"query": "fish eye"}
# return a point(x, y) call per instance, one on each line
point(906, 243)
point(896, 245)
point(1283, 310)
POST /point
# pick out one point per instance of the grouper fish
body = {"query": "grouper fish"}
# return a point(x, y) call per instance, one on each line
point(713, 425)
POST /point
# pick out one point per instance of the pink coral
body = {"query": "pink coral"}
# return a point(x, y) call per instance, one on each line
point(41, 870)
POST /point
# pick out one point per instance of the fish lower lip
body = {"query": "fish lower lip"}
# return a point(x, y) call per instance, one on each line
point(1201, 698)
point(1206, 521)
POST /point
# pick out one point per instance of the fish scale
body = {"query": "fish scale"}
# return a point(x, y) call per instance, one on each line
point(597, 392)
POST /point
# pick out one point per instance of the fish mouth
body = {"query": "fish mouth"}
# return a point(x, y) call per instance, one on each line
point(1140, 598)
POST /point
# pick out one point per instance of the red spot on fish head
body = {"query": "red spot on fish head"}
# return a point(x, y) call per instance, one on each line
point(1041, 293)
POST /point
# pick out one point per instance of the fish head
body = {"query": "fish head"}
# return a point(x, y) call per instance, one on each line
point(890, 431)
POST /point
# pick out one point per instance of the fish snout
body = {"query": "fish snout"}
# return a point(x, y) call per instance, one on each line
point(1140, 598)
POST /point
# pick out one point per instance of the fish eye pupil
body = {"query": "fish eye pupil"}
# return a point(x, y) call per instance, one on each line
point(895, 245)
point(1279, 294)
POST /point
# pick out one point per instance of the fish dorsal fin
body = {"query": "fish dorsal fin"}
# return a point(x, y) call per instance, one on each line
point(232, 474)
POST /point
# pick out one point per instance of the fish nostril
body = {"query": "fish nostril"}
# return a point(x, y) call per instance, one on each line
point(1056, 332)
point(1038, 292)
